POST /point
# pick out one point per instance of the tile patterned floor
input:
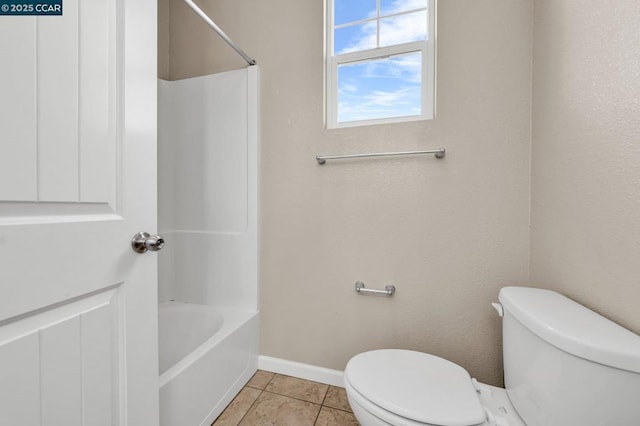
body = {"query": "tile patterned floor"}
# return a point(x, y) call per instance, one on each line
point(275, 400)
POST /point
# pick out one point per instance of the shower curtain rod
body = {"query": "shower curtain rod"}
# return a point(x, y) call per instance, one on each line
point(218, 30)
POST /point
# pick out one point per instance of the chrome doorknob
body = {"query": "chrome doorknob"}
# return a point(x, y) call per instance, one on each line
point(143, 241)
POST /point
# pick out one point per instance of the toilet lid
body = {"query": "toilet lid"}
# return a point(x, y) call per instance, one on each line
point(417, 386)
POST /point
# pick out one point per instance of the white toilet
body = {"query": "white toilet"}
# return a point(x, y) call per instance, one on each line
point(564, 365)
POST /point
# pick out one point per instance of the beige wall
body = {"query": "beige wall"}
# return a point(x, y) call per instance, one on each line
point(447, 233)
point(585, 238)
point(163, 38)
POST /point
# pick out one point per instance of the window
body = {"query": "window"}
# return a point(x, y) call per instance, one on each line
point(380, 61)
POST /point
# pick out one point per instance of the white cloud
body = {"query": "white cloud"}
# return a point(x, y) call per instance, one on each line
point(390, 99)
point(398, 6)
point(403, 29)
point(380, 104)
point(366, 38)
point(347, 88)
point(406, 67)
point(394, 30)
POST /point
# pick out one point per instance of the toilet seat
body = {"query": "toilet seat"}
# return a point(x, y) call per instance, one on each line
point(413, 388)
point(369, 414)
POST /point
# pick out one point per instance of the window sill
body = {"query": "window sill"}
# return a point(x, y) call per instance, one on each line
point(374, 122)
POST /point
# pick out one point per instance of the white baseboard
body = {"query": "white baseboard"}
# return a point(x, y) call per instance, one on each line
point(301, 371)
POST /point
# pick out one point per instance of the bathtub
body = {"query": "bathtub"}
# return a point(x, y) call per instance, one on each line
point(207, 355)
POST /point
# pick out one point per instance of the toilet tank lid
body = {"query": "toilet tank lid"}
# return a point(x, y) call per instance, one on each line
point(572, 327)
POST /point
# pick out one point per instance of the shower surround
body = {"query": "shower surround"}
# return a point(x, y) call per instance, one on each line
point(208, 284)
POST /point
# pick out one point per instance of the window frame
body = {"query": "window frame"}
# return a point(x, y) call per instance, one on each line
point(426, 47)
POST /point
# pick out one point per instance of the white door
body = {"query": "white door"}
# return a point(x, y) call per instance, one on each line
point(78, 308)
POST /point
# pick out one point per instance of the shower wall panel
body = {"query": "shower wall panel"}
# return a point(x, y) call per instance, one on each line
point(208, 189)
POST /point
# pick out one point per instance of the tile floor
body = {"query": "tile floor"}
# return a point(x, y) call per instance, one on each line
point(273, 399)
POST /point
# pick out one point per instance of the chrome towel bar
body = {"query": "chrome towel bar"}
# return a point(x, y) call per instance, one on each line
point(439, 153)
point(389, 290)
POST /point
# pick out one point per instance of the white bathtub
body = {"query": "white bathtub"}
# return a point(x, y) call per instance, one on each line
point(207, 355)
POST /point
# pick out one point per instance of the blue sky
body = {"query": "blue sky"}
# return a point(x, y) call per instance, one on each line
point(381, 88)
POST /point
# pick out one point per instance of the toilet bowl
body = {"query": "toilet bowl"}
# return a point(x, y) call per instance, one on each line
point(564, 365)
point(409, 388)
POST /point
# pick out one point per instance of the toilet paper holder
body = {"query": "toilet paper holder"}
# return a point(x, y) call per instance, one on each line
point(389, 290)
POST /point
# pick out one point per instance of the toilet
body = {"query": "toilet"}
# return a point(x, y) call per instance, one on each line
point(564, 365)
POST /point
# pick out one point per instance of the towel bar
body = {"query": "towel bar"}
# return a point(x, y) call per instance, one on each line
point(439, 153)
point(389, 290)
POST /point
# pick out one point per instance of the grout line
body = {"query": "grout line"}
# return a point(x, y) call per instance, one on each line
point(337, 409)
point(265, 386)
point(325, 395)
point(293, 397)
point(252, 387)
point(318, 415)
point(322, 404)
point(333, 408)
point(250, 407)
point(271, 380)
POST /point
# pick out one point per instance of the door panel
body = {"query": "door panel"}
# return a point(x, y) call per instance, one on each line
point(61, 118)
point(20, 390)
point(57, 105)
point(78, 314)
point(18, 162)
point(64, 364)
point(49, 263)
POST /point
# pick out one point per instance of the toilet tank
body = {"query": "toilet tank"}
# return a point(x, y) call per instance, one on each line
point(565, 365)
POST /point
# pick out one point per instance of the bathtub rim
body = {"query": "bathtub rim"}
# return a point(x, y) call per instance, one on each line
point(232, 320)
point(170, 316)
